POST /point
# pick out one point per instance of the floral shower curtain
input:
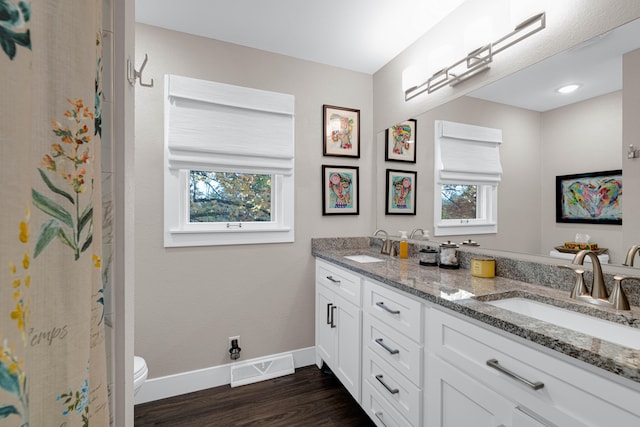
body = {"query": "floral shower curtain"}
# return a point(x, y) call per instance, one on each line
point(52, 341)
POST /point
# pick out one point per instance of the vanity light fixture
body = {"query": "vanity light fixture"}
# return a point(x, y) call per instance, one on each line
point(478, 60)
point(567, 89)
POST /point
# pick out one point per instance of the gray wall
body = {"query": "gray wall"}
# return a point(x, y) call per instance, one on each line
point(188, 301)
point(631, 167)
point(518, 193)
point(580, 138)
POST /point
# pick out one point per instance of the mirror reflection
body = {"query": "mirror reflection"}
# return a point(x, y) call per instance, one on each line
point(545, 134)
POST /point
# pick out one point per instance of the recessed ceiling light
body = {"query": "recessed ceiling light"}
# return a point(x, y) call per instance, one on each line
point(568, 88)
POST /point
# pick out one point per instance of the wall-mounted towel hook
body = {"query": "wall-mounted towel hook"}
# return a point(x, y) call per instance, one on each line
point(133, 74)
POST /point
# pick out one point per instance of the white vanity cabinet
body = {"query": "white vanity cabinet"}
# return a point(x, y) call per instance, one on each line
point(339, 324)
point(392, 353)
point(499, 381)
point(409, 362)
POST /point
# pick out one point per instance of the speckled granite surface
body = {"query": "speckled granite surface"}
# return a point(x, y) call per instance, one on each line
point(457, 290)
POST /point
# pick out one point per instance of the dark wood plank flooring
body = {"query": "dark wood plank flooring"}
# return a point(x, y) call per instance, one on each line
point(310, 397)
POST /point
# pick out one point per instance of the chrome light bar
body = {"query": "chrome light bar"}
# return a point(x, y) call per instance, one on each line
point(478, 60)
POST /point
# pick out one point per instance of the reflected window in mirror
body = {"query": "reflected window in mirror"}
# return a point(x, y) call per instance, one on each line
point(467, 172)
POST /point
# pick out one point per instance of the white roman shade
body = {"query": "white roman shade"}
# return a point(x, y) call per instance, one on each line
point(467, 154)
point(216, 126)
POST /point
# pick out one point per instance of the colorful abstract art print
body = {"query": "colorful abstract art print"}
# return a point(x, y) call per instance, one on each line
point(340, 190)
point(594, 197)
point(401, 192)
point(400, 143)
point(341, 131)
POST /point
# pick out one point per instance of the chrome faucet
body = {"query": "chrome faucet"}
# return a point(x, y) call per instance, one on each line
point(387, 244)
point(598, 294)
point(631, 255)
point(415, 231)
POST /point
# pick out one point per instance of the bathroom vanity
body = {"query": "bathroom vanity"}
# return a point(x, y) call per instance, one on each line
point(424, 346)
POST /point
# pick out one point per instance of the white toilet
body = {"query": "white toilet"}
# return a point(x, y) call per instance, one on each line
point(140, 372)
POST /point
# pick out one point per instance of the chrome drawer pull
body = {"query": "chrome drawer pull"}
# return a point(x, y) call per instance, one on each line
point(389, 389)
point(379, 415)
point(495, 365)
point(387, 309)
point(332, 279)
point(386, 347)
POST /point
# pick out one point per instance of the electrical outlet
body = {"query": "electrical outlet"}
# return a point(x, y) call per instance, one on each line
point(237, 337)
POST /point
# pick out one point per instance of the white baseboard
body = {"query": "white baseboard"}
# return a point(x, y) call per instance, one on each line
point(215, 376)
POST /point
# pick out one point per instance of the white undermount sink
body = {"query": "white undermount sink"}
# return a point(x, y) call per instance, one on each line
point(363, 258)
point(599, 328)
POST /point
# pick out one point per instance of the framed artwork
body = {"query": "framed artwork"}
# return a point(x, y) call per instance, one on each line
point(340, 190)
point(341, 131)
point(401, 192)
point(594, 198)
point(400, 143)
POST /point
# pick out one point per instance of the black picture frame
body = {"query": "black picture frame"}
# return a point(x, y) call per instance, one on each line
point(589, 198)
point(401, 142)
point(340, 190)
point(400, 194)
point(340, 131)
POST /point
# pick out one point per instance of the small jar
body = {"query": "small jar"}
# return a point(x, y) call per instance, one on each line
point(428, 256)
point(449, 255)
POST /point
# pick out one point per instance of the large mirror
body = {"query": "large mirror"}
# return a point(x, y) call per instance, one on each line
point(545, 134)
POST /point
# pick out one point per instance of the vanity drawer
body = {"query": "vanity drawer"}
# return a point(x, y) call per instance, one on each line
point(341, 281)
point(379, 410)
point(396, 349)
point(570, 395)
point(396, 310)
point(395, 389)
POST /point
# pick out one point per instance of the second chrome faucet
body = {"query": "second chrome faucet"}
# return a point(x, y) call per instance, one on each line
point(598, 294)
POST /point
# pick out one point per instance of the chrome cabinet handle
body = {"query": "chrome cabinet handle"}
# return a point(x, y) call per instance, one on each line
point(389, 389)
point(386, 347)
point(537, 385)
point(379, 415)
point(329, 313)
point(332, 279)
point(333, 307)
point(387, 309)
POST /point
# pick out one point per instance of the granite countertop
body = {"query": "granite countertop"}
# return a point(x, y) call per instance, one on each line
point(457, 290)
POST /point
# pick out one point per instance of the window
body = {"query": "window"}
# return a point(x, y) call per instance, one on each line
point(229, 197)
point(467, 173)
point(228, 164)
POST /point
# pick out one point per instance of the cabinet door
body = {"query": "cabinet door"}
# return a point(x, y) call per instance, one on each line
point(456, 399)
point(347, 321)
point(325, 333)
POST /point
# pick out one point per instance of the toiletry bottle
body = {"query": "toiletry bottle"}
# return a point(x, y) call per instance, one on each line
point(404, 245)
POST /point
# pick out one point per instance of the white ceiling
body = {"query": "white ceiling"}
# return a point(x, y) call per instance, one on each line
point(364, 35)
point(595, 64)
point(359, 35)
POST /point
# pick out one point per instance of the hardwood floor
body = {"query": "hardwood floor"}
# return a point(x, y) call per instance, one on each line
point(309, 397)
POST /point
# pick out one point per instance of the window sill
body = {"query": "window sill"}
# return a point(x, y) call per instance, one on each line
point(462, 229)
point(185, 238)
point(230, 230)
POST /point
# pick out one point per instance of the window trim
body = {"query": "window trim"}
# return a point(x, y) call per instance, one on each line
point(486, 221)
point(182, 154)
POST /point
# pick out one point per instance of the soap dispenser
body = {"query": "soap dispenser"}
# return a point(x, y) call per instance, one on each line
point(404, 245)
